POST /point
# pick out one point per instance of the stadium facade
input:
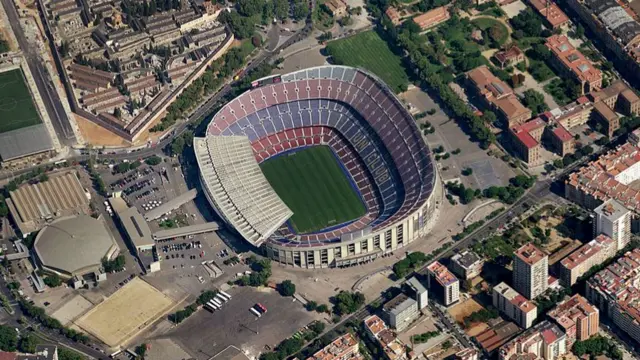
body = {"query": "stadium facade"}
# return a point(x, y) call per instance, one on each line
point(369, 130)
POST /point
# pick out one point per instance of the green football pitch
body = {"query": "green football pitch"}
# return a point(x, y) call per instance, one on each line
point(312, 184)
point(17, 109)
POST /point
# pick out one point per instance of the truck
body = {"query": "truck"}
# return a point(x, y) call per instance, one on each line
point(255, 312)
point(225, 294)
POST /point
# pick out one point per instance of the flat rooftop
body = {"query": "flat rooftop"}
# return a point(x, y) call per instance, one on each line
point(442, 274)
point(530, 254)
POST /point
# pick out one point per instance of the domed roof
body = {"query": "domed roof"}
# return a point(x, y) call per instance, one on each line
point(74, 245)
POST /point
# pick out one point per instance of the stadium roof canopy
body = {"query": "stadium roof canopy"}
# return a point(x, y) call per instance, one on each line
point(74, 245)
point(232, 179)
point(24, 142)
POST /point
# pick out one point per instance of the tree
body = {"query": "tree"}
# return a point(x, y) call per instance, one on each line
point(287, 288)
point(347, 303)
point(27, 344)
point(177, 146)
point(153, 160)
point(114, 265)
point(141, 350)
point(317, 327)
point(528, 22)
point(53, 280)
point(123, 167)
point(280, 9)
point(8, 338)
point(311, 305)
point(534, 100)
point(249, 7)
point(322, 308)
point(300, 9)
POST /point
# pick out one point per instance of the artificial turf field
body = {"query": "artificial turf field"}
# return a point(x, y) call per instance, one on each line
point(312, 184)
point(17, 109)
point(368, 51)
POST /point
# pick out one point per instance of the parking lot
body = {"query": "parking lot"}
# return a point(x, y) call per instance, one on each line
point(203, 334)
point(490, 170)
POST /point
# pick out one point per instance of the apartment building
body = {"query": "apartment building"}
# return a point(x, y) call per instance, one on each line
point(526, 140)
point(543, 341)
point(400, 312)
point(560, 139)
point(551, 13)
point(593, 253)
point(530, 271)
point(498, 96)
point(467, 264)
point(607, 178)
point(615, 292)
point(343, 348)
point(467, 354)
point(617, 97)
point(515, 306)
point(615, 28)
point(377, 331)
point(573, 114)
point(572, 62)
point(443, 284)
point(577, 318)
point(419, 292)
point(614, 219)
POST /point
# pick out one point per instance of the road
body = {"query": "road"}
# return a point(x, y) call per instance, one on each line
point(52, 336)
point(43, 82)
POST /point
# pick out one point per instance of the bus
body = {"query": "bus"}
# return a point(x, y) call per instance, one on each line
point(212, 306)
point(255, 312)
point(225, 294)
point(217, 302)
point(222, 297)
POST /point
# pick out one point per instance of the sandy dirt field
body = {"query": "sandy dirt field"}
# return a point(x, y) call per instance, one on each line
point(98, 136)
point(125, 313)
point(464, 309)
point(72, 309)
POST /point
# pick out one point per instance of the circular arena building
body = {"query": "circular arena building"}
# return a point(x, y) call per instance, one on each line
point(324, 167)
point(74, 246)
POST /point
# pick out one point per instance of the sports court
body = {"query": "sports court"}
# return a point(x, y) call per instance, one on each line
point(313, 185)
point(17, 109)
point(126, 313)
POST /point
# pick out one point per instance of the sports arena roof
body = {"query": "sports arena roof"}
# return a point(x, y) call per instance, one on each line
point(74, 245)
point(232, 178)
point(24, 142)
point(348, 109)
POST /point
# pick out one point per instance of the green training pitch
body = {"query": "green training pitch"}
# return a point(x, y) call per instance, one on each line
point(312, 184)
point(17, 109)
point(369, 51)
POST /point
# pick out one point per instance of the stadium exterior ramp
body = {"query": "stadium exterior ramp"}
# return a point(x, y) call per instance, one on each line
point(235, 185)
point(369, 130)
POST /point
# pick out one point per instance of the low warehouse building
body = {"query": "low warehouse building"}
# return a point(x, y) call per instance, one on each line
point(74, 246)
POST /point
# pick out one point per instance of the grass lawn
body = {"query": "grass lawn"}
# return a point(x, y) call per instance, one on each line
point(367, 50)
point(313, 185)
point(485, 23)
point(17, 109)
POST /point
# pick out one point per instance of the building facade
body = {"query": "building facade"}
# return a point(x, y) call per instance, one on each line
point(346, 347)
point(530, 271)
point(467, 264)
point(443, 284)
point(400, 312)
point(514, 305)
point(615, 292)
point(593, 253)
point(614, 220)
point(577, 317)
point(543, 341)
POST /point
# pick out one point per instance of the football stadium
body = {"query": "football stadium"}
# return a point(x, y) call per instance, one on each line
point(324, 167)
